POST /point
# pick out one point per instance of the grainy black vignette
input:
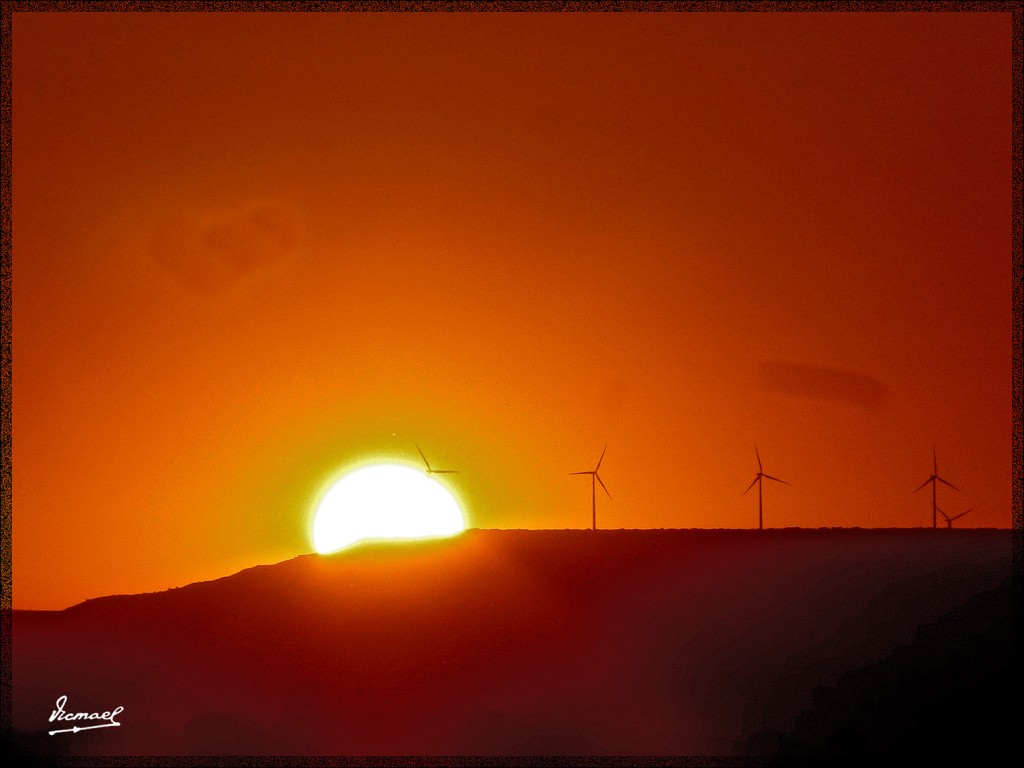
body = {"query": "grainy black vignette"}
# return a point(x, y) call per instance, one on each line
point(9, 9)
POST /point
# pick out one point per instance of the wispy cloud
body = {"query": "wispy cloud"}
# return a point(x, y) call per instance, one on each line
point(823, 383)
point(209, 253)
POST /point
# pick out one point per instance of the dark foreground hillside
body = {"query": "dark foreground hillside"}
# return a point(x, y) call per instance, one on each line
point(534, 642)
point(951, 692)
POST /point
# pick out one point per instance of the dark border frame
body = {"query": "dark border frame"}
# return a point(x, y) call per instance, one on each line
point(1014, 7)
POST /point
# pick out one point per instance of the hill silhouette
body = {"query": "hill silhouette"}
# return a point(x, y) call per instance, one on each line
point(949, 692)
point(627, 642)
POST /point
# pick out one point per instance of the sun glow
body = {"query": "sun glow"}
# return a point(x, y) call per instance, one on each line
point(385, 501)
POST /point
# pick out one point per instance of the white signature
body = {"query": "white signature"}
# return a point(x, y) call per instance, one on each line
point(59, 714)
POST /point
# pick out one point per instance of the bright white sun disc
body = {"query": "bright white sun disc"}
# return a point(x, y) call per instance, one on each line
point(385, 501)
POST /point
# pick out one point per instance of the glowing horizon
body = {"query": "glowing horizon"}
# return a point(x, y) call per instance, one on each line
point(255, 248)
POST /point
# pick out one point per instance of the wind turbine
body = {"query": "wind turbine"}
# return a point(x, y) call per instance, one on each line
point(593, 488)
point(435, 471)
point(933, 480)
point(757, 479)
point(949, 520)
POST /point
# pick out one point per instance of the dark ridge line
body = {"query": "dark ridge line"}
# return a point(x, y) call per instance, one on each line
point(751, 532)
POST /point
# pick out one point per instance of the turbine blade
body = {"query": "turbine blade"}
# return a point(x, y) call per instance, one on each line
point(944, 514)
point(935, 460)
point(776, 479)
point(961, 514)
point(923, 484)
point(423, 457)
point(752, 482)
point(447, 471)
point(581, 473)
point(759, 467)
point(947, 483)
point(602, 484)
point(601, 459)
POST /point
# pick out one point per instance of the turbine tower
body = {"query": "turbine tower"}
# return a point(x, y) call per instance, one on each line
point(934, 479)
point(593, 488)
point(949, 520)
point(435, 471)
point(757, 479)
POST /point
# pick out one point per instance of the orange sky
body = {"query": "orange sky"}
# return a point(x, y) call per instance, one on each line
point(250, 249)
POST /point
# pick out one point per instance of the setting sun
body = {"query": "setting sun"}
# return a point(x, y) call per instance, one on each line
point(385, 501)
